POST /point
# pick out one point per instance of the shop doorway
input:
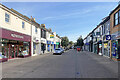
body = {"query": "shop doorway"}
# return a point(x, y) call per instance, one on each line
point(13, 51)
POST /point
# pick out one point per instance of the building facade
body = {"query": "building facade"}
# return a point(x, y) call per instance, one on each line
point(22, 36)
point(16, 33)
point(105, 35)
point(115, 33)
point(36, 38)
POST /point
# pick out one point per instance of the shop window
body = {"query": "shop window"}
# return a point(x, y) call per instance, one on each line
point(23, 24)
point(7, 17)
point(116, 19)
point(24, 48)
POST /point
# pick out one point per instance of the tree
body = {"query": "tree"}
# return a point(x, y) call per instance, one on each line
point(80, 41)
point(71, 43)
point(65, 41)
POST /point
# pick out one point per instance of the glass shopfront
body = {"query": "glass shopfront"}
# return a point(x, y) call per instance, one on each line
point(106, 49)
point(13, 48)
point(115, 49)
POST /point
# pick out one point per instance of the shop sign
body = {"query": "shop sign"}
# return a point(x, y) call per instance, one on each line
point(51, 36)
point(12, 35)
point(17, 36)
point(57, 43)
point(43, 41)
point(108, 37)
point(48, 42)
point(97, 33)
point(52, 43)
point(105, 45)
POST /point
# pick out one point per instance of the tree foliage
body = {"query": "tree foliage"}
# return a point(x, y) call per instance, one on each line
point(80, 42)
point(71, 43)
point(65, 41)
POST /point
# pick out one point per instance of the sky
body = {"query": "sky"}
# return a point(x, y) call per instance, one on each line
point(70, 19)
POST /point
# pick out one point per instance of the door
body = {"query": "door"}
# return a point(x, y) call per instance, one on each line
point(13, 51)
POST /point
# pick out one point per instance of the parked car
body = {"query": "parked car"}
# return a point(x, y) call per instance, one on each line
point(62, 50)
point(58, 51)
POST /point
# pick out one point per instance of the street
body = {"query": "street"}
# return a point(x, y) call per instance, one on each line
point(71, 64)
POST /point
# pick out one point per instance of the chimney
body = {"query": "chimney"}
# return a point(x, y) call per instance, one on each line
point(33, 19)
point(43, 25)
point(50, 29)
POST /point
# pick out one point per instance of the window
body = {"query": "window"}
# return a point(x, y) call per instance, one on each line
point(7, 17)
point(23, 24)
point(117, 18)
point(36, 30)
point(43, 33)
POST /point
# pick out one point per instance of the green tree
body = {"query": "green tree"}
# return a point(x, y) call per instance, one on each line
point(80, 42)
point(71, 43)
point(65, 41)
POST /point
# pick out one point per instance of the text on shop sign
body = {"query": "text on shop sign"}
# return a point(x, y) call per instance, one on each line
point(17, 36)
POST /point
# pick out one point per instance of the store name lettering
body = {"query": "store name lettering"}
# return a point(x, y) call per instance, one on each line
point(17, 36)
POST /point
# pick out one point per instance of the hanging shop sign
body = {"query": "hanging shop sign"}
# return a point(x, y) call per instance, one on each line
point(51, 36)
point(108, 37)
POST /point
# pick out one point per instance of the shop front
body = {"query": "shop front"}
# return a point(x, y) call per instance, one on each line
point(106, 49)
point(43, 45)
point(36, 46)
point(57, 44)
point(48, 46)
point(52, 46)
point(99, 47)
point(15, 44)
point(115, 47)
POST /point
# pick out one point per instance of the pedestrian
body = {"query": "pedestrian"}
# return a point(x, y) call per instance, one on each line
point(43, 49)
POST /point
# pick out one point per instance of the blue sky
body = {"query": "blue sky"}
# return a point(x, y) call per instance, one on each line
point(70, 19)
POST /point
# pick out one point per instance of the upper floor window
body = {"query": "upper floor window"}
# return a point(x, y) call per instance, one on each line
point(36, 30)
point(7, 17)
point(117, 18)
point(43, 33)
point(23, 24)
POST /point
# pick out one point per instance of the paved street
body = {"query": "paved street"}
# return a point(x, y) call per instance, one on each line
point(71, 64)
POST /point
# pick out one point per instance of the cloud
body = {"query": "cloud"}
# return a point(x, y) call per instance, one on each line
point(67, 15)
point(79, 13)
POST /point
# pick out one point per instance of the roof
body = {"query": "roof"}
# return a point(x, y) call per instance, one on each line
point(115, 9)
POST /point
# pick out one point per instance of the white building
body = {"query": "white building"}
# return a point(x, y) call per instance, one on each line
point(36, 38)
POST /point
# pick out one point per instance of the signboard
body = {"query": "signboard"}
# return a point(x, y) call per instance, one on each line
point(105, 45)
point(17, 36)
point(12, 35)
point(108, 37)
point(57, 43)
point(51, 36)
point(48, 42)
point(97, 33)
